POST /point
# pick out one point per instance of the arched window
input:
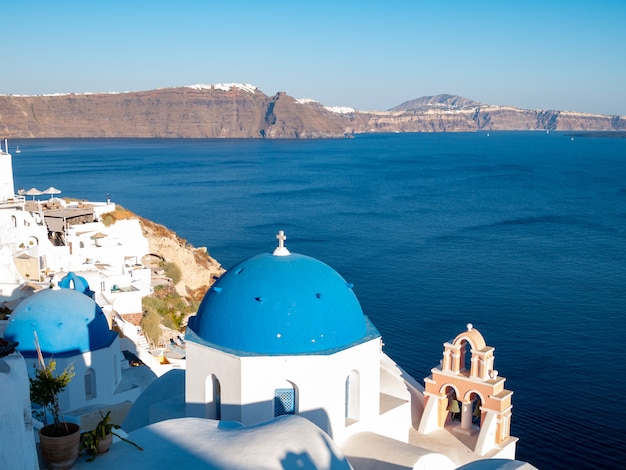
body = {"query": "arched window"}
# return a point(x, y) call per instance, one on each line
point(466, 355)
point(90, 384)
point(217, 398)
point(285, 400)
point(213, 398)
point(353, 397)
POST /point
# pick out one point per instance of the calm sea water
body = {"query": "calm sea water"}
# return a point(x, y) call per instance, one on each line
point(521, 234)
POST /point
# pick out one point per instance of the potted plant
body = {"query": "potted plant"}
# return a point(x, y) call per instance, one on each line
point(98, 440)
point(59, 440)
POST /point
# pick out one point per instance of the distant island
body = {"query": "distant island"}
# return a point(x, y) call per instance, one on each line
point(238, 110)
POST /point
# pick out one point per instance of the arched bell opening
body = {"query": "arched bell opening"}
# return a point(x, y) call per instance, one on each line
point(476, 403)
point(453, 405)
point(466, 356)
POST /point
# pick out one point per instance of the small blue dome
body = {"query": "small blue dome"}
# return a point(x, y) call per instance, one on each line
point(280, 305)
point(73, 281)
point(66, 321)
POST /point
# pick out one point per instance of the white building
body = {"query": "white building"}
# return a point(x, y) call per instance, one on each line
point(72, 329)
point(283, 371)
point(109, 256)
point(7, 190)
point(281, 336)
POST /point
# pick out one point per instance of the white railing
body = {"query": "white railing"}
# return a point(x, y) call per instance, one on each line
point(15, 201)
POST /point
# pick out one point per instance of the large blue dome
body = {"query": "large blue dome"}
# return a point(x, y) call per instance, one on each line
point(67, 322)
point(280, 305)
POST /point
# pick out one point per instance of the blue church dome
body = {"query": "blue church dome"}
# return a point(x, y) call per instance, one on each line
point(73, 281)
point(280, 305)
point(67, 322)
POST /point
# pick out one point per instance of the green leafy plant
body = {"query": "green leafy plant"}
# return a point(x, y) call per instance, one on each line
point(45, 388)
point(172, 309)
point(90, 440)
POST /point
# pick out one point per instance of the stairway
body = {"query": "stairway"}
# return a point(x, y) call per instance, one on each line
point(142, 342)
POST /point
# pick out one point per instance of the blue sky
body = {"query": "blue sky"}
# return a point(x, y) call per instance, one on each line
point(568, 55)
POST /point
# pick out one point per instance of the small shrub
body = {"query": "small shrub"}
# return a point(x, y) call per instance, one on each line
point(153, 303)
point(107, 219)
point(150, 325)
point(173, 272)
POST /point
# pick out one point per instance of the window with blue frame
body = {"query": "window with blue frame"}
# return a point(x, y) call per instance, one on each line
point(284, 401)
point(90, 383)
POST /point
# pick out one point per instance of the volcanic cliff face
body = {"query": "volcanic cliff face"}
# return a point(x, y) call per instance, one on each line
point(174, 112)
point(243, 111)
point(287, 117)
point(198, 270)
point(209, 111)
point(448, 113)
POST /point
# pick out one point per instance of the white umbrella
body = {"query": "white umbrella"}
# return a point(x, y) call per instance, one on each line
point(33, 192)
point(52, 190)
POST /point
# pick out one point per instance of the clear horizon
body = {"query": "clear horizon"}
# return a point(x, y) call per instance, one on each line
point(562, 55)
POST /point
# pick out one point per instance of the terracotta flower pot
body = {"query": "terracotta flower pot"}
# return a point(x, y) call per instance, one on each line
point(60, 452)
point(104, 444)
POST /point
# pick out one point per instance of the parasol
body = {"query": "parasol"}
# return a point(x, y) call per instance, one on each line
point(33, 192)
point(51, 191)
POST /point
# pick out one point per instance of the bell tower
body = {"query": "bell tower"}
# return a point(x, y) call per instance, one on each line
point(465, 393)
point(7, 190)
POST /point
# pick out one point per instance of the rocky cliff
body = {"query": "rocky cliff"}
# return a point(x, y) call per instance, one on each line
point(198, 270)
point(243, 111)
point(209, 111)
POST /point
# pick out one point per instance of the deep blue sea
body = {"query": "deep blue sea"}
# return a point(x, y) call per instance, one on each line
point(521, 234)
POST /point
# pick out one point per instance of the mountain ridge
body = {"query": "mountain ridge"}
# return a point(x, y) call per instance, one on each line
point(238, 110)
point(441, 101)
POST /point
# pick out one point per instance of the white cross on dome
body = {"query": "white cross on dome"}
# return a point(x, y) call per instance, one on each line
point(281, 250)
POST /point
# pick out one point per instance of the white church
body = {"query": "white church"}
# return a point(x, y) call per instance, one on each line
point(283, 371)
